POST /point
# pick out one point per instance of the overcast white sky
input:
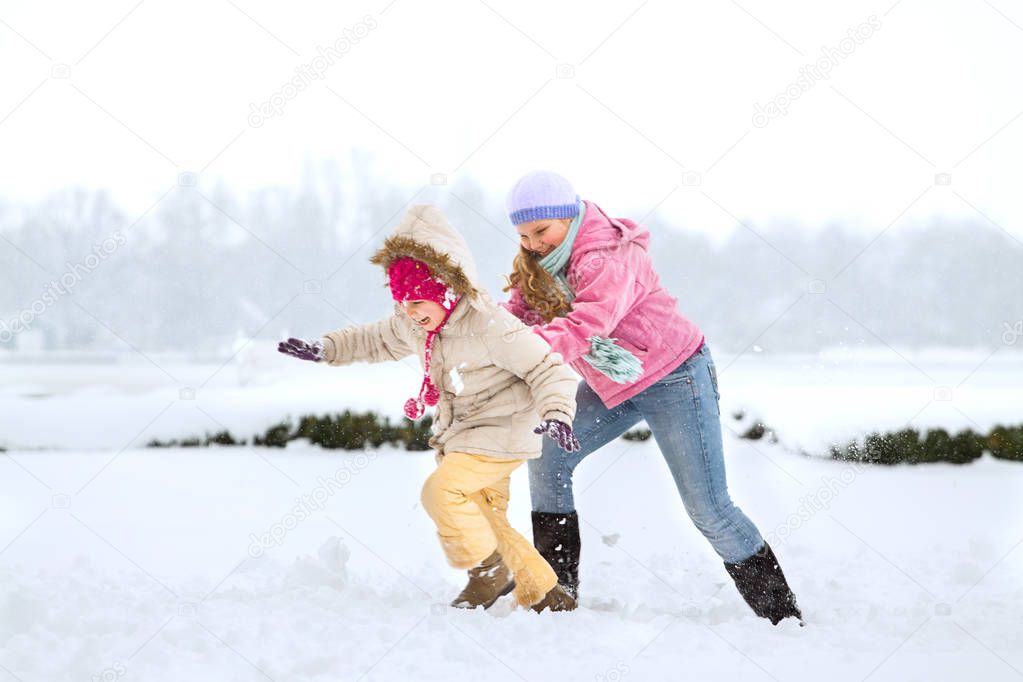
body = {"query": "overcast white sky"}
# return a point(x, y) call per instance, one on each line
point(654, 91)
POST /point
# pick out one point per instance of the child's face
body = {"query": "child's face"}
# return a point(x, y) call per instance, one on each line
point(541, 236)
point(426, 314)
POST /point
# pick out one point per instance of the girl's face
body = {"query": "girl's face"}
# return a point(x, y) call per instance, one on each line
point(426, 314)
point(541, 236)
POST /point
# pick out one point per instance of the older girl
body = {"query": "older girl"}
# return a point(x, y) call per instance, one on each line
point(587, 284)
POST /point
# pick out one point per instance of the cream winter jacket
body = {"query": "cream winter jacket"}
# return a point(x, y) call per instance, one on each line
point(496, 378)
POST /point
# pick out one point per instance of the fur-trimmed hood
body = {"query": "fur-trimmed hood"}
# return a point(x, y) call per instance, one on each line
point(426, 235)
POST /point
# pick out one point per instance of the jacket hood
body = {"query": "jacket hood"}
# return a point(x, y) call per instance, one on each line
point(600, 231)
point(426, 235)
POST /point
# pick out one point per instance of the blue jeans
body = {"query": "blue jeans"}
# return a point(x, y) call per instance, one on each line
point(684, 416)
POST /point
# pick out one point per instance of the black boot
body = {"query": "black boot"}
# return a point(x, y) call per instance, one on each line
point(762, 584)
point(556, 537)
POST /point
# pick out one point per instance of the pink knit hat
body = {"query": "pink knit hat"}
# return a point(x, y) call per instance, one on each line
point(411, 280)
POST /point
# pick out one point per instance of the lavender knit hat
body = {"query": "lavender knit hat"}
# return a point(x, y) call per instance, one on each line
point(540, 195)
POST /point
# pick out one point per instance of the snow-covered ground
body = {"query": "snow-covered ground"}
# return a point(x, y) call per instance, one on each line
point(120, 562)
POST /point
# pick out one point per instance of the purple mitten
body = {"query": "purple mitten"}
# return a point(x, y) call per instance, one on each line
point(303, 350)
point(561, 433)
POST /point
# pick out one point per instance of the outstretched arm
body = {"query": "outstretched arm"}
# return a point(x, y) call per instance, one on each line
point(377, 342)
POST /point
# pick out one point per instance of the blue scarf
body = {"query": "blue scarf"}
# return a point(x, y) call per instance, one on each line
point(606, 356)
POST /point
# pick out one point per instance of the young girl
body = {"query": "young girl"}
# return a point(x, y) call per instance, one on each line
point(489, 378)
point(586, 281)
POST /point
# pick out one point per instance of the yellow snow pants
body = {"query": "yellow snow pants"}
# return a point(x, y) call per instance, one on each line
point(467, 498)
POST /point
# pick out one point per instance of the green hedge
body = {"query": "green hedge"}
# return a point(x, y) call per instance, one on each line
point(345, 431)
point(1006, 442)
point(756, 430)
point(639, 435)
point(910, 446)
point(356, 431)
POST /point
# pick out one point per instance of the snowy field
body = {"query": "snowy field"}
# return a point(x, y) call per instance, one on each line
point(120, 562)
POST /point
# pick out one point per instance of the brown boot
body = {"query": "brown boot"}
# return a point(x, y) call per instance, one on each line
point(555, 600)
point(488, 582)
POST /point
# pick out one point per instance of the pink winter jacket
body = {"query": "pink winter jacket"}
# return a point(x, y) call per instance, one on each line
point(618, 295)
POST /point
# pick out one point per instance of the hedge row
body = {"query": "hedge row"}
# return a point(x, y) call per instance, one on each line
point(910, 446)
point(356, 431)
point(345, 431)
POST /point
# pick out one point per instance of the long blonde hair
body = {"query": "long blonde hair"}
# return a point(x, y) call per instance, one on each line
point(538, 288)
